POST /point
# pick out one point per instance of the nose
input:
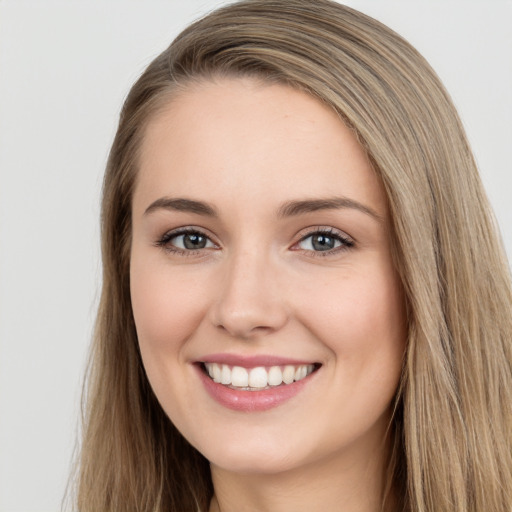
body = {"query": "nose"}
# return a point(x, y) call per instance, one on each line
point(250, 302)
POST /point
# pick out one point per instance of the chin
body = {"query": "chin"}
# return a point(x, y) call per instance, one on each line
point(255, 464)
point(255, 456)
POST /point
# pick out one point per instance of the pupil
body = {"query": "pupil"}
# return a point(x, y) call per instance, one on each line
point(322, 242)
point(194, 241)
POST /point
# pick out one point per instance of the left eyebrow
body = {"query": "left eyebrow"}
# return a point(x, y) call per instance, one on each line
point(292, 208)
point(183, 205)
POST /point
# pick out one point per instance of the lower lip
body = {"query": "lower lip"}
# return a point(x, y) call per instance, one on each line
point(252, 401)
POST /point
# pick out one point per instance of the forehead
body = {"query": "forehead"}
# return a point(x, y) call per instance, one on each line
point(232, 136)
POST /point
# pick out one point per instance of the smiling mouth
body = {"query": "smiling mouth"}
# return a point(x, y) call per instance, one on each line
point(259, 377)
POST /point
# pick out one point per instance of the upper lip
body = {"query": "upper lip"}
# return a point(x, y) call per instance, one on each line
point(253, 361)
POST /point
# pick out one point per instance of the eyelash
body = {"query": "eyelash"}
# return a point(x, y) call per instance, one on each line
point(346, 243)
point(165, 241)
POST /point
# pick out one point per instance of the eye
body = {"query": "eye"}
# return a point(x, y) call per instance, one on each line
point(191, 241)
point(326, 241)
point(185, 241)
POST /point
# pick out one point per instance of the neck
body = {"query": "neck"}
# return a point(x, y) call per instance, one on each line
point(344, 484)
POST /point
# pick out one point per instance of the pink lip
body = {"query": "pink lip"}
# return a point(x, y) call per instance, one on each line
point(251, 361)
point(252, 401)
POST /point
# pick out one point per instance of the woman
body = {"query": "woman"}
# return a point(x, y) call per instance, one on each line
point(305, 303)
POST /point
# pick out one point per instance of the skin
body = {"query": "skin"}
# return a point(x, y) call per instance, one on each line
point(259, 286)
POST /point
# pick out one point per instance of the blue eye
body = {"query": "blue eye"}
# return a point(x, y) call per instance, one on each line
point(185, 241)
point(324, 241)
point(191, 241)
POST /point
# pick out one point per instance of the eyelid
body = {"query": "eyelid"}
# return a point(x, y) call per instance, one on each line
point(323, 229)
point(164, 240)
point(347, 242)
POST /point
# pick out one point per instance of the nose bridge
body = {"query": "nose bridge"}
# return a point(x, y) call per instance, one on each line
point(250, 300)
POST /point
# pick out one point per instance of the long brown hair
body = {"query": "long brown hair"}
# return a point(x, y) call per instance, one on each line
point(452, 427)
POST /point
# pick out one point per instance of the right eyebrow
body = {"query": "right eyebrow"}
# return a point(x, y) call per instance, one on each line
point(182, 205)
point(291, 208)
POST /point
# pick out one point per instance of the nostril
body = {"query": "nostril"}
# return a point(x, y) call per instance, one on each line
point(245, 329)
point(248, 305)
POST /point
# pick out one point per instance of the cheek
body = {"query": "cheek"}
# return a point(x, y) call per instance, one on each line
point(167, 307)
point(362, 321)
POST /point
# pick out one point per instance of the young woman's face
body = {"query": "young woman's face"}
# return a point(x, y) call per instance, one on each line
point(261, 258)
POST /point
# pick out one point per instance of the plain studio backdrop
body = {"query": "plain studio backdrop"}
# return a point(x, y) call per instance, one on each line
point(65, 68)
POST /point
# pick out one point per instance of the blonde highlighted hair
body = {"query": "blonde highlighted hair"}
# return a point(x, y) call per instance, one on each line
point(452, 427)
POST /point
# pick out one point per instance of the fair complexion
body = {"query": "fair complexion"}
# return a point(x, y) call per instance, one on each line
point(261, 240)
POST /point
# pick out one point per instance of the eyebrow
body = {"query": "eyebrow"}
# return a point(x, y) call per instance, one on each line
point(293, 208)
point(182, 205)
point(288, 209)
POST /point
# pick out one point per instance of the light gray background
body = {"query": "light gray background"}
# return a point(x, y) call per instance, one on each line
point(65, 68)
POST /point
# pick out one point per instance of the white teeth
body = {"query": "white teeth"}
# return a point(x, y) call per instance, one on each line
point(239, 377)
point(288, 374)
point(275, 376)
point(216, 373)
point(225, 375)
point(300, 372)
point(258, 377)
